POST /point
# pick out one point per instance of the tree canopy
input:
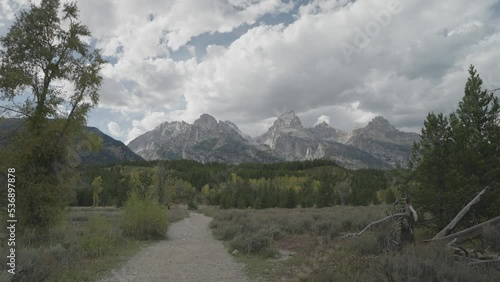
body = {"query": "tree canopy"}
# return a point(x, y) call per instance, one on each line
point(459, 155)
point(49, 75)
point(44, 51)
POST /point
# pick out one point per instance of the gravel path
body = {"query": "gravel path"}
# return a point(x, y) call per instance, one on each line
point(189, 254)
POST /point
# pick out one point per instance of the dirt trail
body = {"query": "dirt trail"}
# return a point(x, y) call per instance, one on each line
point(189, 254)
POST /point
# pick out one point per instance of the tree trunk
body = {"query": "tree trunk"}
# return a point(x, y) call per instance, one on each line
point(460, 215)
point(468, 233)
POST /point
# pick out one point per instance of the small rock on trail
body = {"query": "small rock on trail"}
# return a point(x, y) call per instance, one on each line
point(189, 254)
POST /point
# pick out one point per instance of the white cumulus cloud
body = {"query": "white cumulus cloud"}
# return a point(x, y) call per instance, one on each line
point(323, 118)
point(415, 63)
point(114, 129)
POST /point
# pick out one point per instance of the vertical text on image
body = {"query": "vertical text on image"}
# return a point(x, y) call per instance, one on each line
point(11, 220)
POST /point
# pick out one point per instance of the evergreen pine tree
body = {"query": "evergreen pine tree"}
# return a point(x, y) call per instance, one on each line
point(457, 157)
point(475, 131)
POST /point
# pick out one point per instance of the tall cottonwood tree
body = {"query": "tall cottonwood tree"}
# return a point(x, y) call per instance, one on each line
point(45, 50)
point(459, 155)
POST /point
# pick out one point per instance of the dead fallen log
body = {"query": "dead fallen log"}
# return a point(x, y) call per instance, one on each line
point(461, 214)
point(490, 261)
point(468, 233)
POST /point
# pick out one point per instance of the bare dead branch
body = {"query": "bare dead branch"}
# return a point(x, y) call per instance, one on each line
point(375, 223)
point(493, 90)
point(451, 243)
point(408, 213)
point(468, 233)
point(461, 214)
point(14, 110)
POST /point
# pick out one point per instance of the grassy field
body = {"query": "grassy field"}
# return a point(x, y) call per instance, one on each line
point(84, 247)
point(307, 245)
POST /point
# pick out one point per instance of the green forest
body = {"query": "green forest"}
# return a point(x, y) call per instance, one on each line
point(315, 183)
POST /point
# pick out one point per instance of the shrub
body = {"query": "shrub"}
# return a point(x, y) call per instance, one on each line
point(177, 213)
point(98, 237)
point(427, 263)
point(256, 243)
point(193, 204)
point(144, 218)
point(209, 210)
point(36, 264)
point(367, 244)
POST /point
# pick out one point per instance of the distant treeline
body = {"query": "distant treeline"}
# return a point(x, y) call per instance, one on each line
point(311, 183)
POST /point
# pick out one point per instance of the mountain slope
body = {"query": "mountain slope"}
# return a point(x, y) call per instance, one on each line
point(112, 151)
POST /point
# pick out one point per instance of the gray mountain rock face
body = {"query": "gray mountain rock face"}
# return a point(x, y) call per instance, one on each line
point(288, 139)
point(288, 124)
point(382, 140)
point(206, 140)
point(323, 131)
point(378, 145)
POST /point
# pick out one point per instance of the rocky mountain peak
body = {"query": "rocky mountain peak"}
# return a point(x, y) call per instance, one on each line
point(378, 128)
point(206, 121)
point(380, 122)
point(206, 140)
point(288, 120)
point(382, 140)
point(378, 144)
point(232, 125)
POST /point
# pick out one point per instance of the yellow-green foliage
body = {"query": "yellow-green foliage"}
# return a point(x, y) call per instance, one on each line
point(205, 190)
point(97, 189)
point(98, 237)
point(144, 218)
point(281, 182)
point(183, 189)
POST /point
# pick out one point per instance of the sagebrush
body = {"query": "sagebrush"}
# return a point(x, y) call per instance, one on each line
point(144, 218)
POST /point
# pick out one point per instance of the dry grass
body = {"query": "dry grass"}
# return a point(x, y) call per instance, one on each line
point(84, 247)
point(305, 245)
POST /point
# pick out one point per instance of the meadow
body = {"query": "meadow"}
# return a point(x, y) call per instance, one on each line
point(84, 246)
point(309, 245)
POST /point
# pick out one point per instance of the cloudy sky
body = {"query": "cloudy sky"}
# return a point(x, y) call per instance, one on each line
point(248, 61)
